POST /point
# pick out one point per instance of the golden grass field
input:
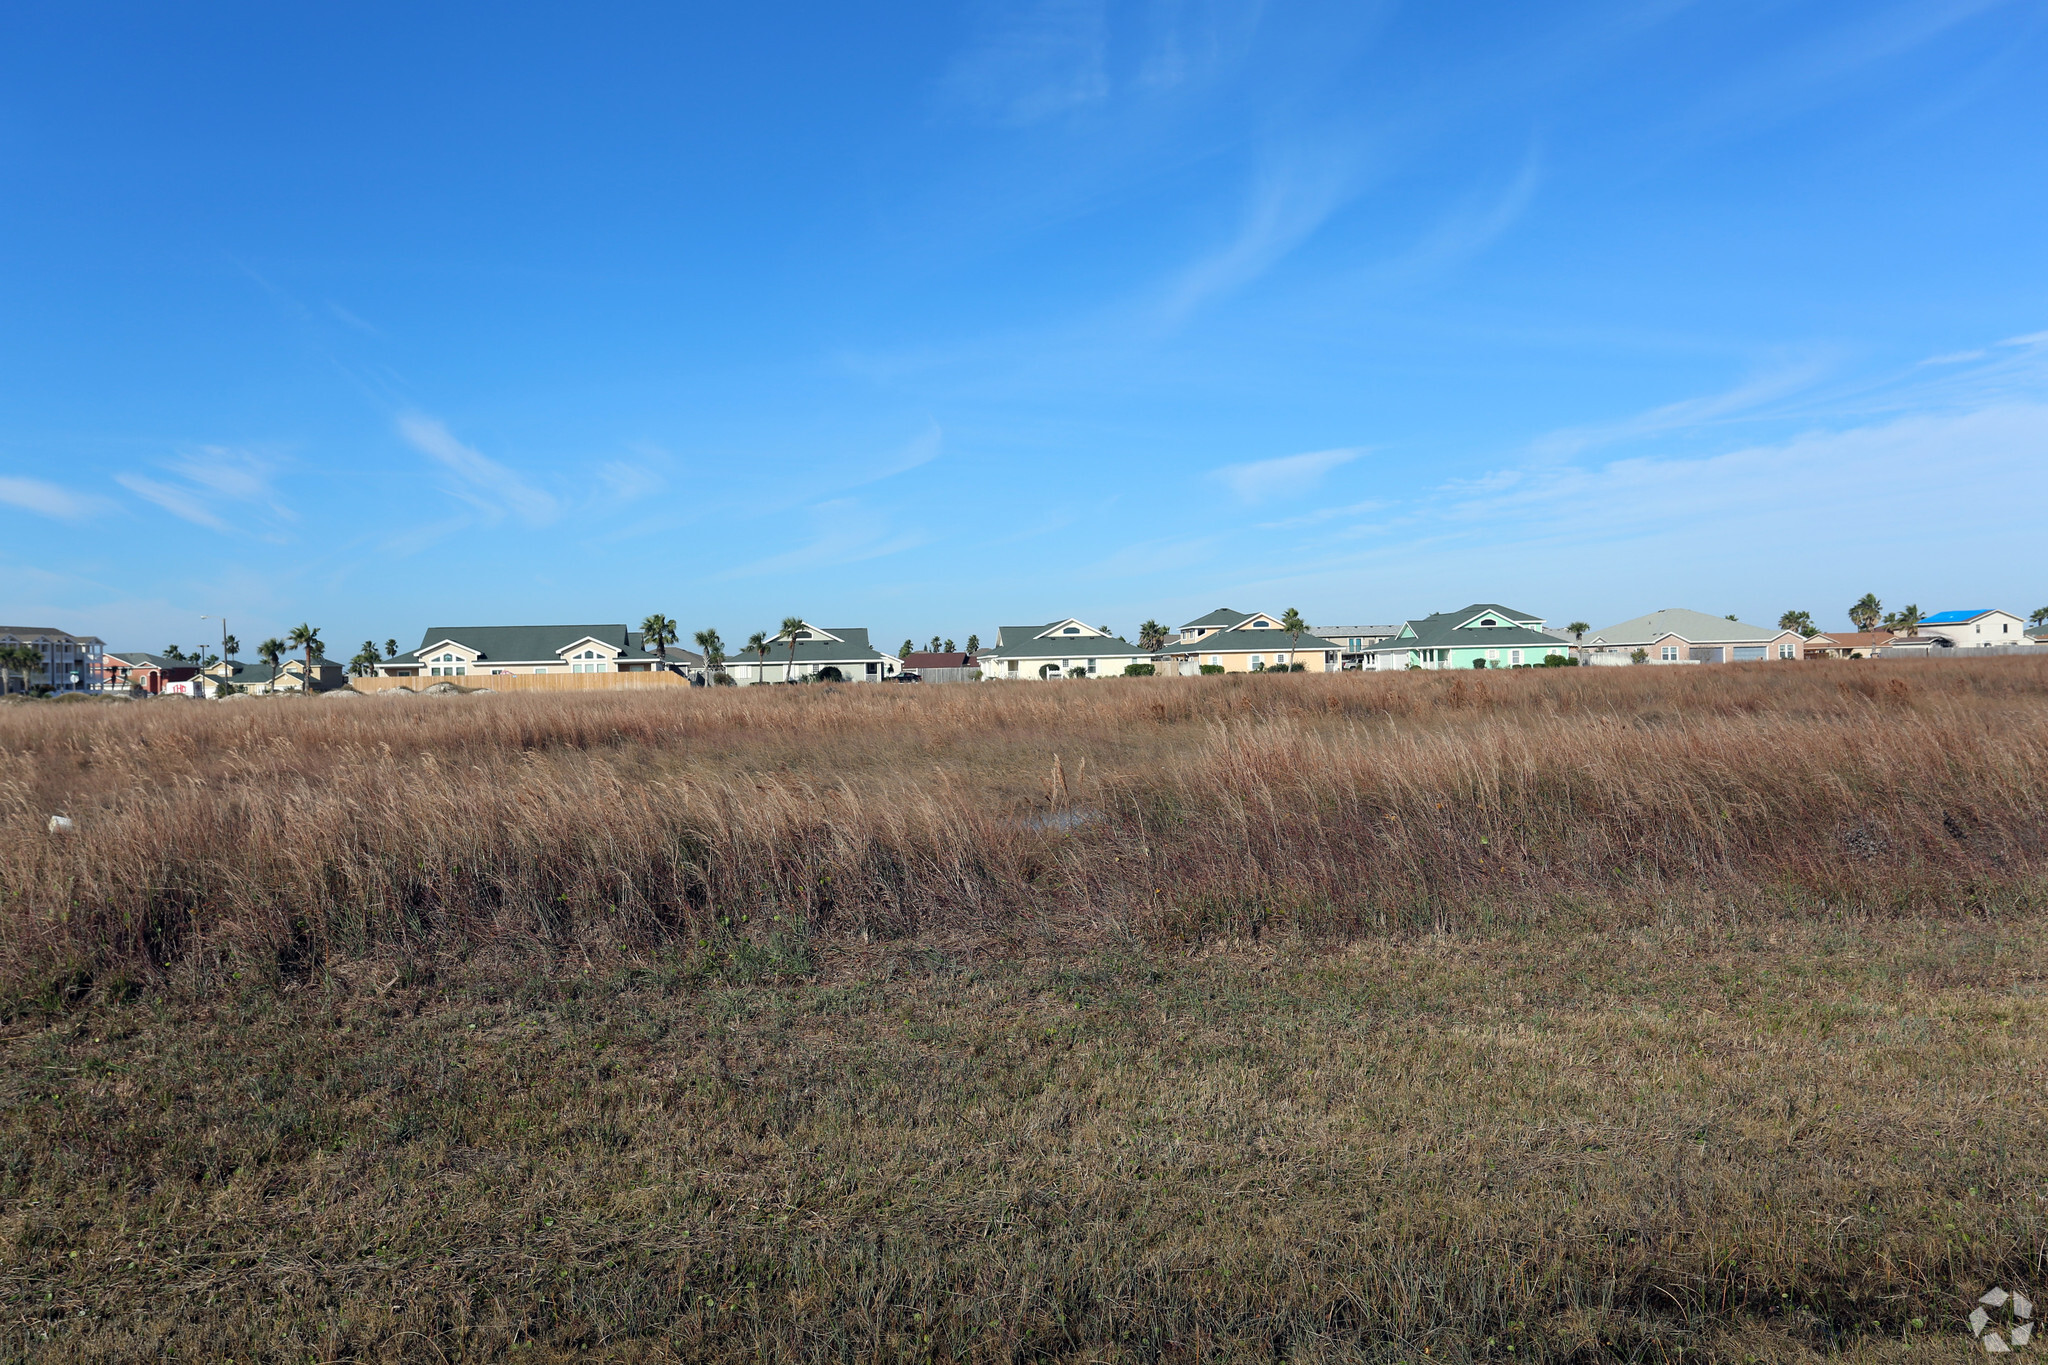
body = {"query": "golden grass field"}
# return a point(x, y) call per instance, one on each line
point(1619, 1014)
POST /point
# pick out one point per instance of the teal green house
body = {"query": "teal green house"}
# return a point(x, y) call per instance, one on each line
point(1483, 635)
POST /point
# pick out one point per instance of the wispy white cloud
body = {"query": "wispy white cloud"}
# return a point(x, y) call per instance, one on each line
point(48, 499)
point(1467, 230)
point(352, 320)
point(1292, 197)
point(482, 482)
point(1799, 76)
point(1687, 414)
point(1033, 62)
point(920, 450)
point(184, 503)
point(219, 487)
point(1285, 477)
point(841, 532)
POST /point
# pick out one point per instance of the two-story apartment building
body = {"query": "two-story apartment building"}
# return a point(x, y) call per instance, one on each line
point(65, 662)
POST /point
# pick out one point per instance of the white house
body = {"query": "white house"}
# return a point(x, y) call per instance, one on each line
point(1059, 649)
point(837, 654)
point(464, 651)
point(1976, 629)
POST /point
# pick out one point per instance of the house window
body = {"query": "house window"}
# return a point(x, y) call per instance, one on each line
point(1669, 654)
point(1258, 661)
point(1489, 621)
point(1216, 661)
point(1515, 658)
point(1785, 651)
point(1493, 655)
point(1071, 630)
point(461, 670)
point(1091, 665)
point(1357, 645)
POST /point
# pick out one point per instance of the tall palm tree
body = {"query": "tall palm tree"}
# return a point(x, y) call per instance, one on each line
point(391, 649)
point(2038, 619)
point(1865, 612)
point(271, 651)
point(17, 659)
point(1295, 627)
point(758, 645)
point(792, 626)
point(1800, 621)
point(230, 646)
point(1152, 637)
point(365, 662)
point(1906, 622)
point(657, 633)
point(303, 636)
point(713, 648)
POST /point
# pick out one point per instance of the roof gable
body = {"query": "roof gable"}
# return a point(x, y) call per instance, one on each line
point(1222, 616)
point(1071, 628)
point(1694, 627)
point(525, 644)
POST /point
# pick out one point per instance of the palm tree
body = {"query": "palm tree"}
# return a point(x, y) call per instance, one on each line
point(909, 647)
point(17, 659)
point(1801, 621)
point(391, 649)
point(230, 646)
point(792, 626)
point(1151, 637)
point(714, 650)
point(1865, 612)
point(758, 645)
point(271, 651)
point(657, 633)
point(2038, 619)
point(1295, 627)
point(974, 641)
point(303, 636)
point(1905, 622)
point(365, 662)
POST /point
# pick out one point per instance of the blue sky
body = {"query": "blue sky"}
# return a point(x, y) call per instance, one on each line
point(932, 318)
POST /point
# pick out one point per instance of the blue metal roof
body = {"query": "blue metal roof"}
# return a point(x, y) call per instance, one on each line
point(1950, 618)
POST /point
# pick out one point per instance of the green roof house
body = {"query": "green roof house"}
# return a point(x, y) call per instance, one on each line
point(469, 651)
point(1058, 649)
point(1483, 635)
point(1240, 642)
point(837, 654)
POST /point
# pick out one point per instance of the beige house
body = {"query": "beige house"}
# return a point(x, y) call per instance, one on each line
point(291, 676)
point(1677, 635)
point(1239, 642)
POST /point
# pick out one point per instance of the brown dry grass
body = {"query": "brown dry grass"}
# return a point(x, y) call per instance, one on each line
point(1616, 1014)
point(283, 831)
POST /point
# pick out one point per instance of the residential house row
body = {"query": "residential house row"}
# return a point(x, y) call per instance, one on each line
point(1226, 640)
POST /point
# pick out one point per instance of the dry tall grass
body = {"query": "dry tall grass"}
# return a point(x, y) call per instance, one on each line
point(1592, 1016)
point(283, 832)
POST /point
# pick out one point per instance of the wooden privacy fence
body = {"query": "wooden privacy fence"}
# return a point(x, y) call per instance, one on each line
point(527, 682)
